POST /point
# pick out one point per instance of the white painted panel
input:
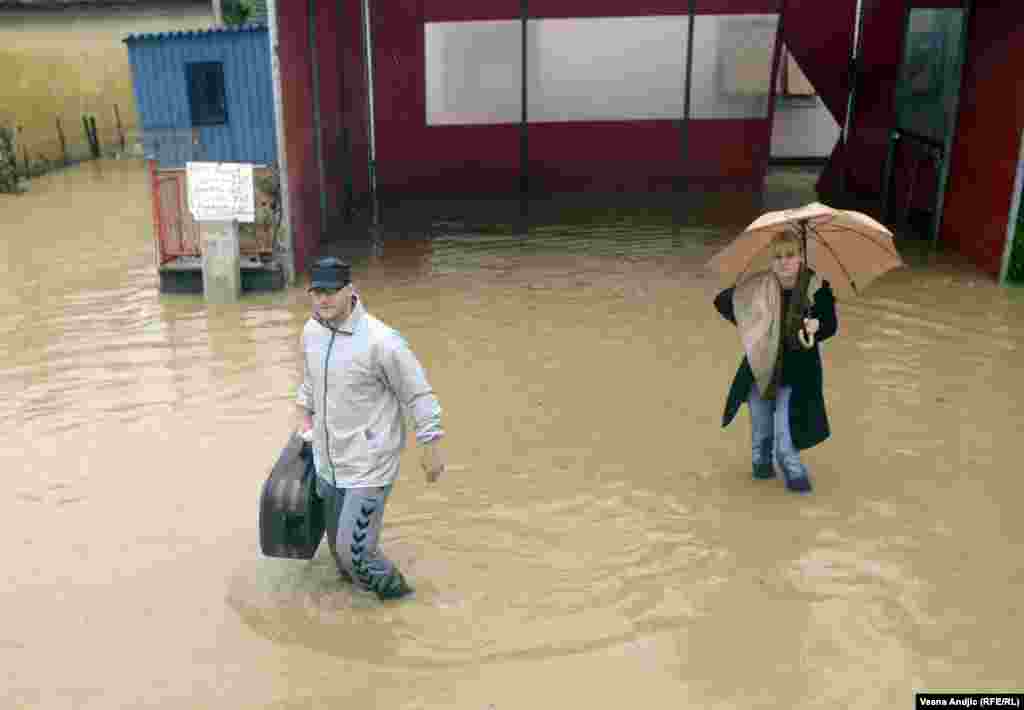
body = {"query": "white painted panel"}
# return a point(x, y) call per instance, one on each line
point(473, 72)
point(732, 64)
point(607, 68)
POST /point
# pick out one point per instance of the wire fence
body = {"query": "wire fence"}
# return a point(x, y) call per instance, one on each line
point(28, 152)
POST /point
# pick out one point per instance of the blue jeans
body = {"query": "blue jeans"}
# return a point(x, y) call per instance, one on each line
point(772, 440)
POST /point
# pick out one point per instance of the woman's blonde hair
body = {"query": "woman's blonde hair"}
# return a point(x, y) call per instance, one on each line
point(786, 239)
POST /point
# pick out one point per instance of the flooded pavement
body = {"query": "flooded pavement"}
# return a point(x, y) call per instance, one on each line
point(597, 540)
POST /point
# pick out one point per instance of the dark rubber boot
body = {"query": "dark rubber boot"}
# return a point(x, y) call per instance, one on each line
point(801, 484)
point(796, 476)
point(764, 470)
point(396, 588)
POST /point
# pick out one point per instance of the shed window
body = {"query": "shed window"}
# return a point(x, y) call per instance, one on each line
point(206, 93)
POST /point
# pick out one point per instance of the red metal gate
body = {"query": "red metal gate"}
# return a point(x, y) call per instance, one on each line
point(176, 233)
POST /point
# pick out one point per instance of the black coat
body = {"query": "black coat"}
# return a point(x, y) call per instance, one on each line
point(808, 421)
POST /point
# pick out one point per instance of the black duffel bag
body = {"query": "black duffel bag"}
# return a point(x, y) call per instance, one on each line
point(291, 513)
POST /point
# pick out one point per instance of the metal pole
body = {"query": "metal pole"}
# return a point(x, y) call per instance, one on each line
point(684, 127)
point(120, 128)
point(890, 156)
point(287, 240)
point(368, 60)
point(854, 70)
point(940, 196)
point(318, 138)
point(346, 137)
point(776, 60)
point(96, 150)
point(895, 133)
point(524, 154)
point(1011, 224)
point(218, 13)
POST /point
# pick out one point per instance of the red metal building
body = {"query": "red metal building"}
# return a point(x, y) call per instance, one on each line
point(986, 124)
point(447, 98)
point(619, 96)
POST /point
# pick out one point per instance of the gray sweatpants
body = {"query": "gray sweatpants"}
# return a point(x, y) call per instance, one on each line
point(354, 517)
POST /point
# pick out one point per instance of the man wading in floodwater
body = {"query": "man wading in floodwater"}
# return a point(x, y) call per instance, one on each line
point(360, 375)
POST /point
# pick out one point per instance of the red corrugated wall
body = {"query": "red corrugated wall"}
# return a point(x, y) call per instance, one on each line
point(296, 94)
point(914, 179)
point(821, 40)
point(984, 160)
point(991, 114)
point(328, 65)
point(599, 155)
point(414, 158)
point(880, 56)
point(352, 76)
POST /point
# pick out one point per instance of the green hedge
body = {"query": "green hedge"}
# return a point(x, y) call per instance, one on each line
point(8, 161)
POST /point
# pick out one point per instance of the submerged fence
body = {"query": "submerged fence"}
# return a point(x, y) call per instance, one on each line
point(28, 154)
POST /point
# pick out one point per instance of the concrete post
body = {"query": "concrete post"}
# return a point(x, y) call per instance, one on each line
point(222, 271)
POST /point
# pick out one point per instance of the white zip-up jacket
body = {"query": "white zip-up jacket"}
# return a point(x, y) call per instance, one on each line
point(359, 382)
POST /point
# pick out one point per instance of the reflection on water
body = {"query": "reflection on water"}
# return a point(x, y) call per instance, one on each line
point(597, 532)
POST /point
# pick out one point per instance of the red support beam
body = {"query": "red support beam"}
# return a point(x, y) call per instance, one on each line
point(296, 96)
point(984, 157)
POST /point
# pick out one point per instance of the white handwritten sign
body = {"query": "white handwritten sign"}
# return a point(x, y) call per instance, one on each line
point(221, 192)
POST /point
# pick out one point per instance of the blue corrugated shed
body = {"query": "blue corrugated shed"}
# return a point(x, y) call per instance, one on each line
point(159, 75)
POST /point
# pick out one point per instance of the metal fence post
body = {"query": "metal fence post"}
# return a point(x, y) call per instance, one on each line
point(63, 142)
point(120, 130)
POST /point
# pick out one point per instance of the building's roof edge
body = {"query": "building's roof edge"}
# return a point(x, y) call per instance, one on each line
point(233, 29)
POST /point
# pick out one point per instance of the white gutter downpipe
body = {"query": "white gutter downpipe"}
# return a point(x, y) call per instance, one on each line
point(285, 246)
point(368, 59)
point(854, 64)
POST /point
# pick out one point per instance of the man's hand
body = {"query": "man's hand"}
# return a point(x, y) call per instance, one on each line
point(811, 325)
point(432, 460)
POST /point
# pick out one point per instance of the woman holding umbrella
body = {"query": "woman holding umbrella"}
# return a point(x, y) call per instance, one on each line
point(783, 312)
point(787, 406)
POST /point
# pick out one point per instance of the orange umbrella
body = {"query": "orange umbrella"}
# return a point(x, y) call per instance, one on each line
point(847, 248)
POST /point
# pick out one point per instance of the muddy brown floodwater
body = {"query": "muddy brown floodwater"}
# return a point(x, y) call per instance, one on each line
point(597, 542)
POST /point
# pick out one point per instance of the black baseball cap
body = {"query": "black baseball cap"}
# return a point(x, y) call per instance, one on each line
point(330, 272)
